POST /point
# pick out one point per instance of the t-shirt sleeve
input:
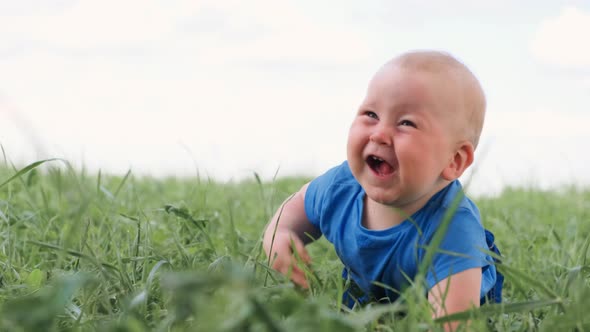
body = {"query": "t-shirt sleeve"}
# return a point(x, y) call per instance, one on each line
point(462, 248)
point(316, 193)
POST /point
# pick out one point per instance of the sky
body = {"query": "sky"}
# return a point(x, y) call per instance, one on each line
point(228, 88)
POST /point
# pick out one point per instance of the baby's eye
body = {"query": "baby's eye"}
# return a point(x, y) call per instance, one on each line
point(407, 123)
point(371, 114)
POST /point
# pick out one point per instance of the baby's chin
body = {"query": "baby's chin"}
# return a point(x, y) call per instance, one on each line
point(381, 198)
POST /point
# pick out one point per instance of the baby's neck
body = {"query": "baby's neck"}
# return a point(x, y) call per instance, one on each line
point(378, 216)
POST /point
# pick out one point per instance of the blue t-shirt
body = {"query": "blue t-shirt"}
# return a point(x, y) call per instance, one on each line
point(334, 203)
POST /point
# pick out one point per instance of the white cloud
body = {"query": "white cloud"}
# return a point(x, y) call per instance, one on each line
point(271, 32)
point(210, 32)
point(563, 40)
point(91, 24)
point(537, 124)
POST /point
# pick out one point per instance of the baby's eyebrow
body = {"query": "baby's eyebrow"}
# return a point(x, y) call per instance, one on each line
point(406, 108)
point(364, 105)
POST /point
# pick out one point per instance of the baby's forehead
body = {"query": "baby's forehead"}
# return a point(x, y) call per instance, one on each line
point(444, 71)
point(398, 82)
point(433, 68)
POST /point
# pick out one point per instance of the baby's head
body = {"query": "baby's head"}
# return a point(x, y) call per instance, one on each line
point(417, 127)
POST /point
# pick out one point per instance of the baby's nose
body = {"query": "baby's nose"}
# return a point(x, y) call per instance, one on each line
point(381, 136)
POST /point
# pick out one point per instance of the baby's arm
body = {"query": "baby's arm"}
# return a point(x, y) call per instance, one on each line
point(456, 293)
point(289, 230)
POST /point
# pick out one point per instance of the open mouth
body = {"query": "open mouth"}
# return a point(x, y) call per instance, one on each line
point(379, 166)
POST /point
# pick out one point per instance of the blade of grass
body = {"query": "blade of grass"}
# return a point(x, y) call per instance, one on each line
point(122, 183)
point(432, 248)
point(137, 239)
point(75, 253)
point(26, 169)
point(272, 241)
point(4, 154)
point(523, 277)
point(182, 213)
point(496, 309)
point(98, 181)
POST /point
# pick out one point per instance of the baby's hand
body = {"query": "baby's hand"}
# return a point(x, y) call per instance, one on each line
point(287, 252)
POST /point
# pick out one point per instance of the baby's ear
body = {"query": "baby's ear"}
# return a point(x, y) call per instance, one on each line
point(459, 162)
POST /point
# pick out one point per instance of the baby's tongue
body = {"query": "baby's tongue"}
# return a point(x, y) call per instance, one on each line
point(385, 168)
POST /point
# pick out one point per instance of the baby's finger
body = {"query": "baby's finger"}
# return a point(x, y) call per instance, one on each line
point(301, 252)
point(298, 276)
point(288, 267)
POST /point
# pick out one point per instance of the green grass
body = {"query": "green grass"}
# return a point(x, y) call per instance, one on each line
point(93, 252)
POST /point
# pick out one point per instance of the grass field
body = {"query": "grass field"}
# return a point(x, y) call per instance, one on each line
point(92, 252)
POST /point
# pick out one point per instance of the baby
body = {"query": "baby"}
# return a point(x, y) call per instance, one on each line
point(413, 136)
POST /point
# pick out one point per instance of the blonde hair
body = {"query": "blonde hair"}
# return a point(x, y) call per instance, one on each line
point(472, 96)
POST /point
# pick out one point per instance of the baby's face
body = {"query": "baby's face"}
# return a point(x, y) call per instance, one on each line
point(404, 135)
